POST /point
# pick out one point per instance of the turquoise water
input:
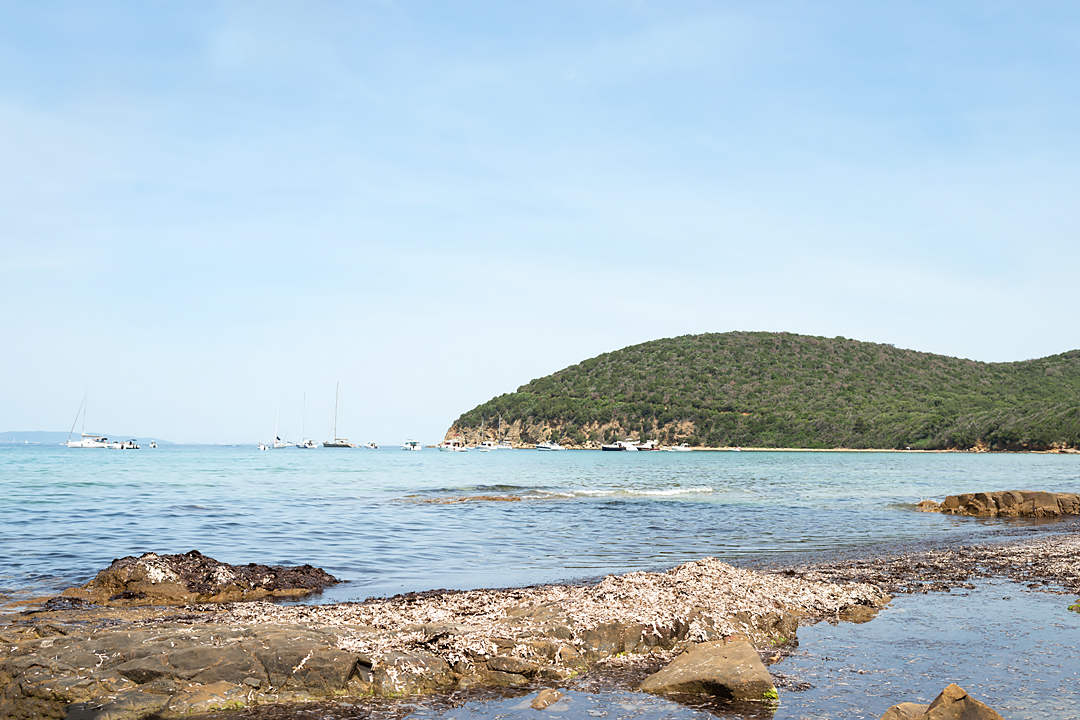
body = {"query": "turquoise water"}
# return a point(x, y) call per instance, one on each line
point(366, 516)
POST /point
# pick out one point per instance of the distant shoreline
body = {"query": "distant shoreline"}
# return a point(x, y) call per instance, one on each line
point(706, 448)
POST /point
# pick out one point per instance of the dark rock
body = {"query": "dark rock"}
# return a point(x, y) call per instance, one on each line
point(503, 679)
point(510, 664)
point(152, 579)
point(145, 669)
point(130, 705)
point(730, 669)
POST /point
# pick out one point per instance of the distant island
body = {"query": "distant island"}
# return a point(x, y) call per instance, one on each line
point(58, 437)
point(782, 390)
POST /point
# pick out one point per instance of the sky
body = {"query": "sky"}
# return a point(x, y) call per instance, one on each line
point(212, 211)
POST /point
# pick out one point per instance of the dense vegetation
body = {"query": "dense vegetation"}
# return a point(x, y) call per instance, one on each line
point(758, 389)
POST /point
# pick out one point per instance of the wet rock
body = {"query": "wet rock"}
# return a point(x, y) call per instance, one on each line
point(952, 704)
point(544, 698)
point(204, 698)
point(1012, 503)
point(152, 579)
point(905, 711)
point(928, 506)
point(130, 705)
point(728, 669)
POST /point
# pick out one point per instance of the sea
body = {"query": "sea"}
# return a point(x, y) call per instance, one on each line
point(387, 522)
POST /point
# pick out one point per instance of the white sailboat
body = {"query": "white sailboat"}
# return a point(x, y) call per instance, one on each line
point(89, 440)
point(337, 442)
point(305, 443)
point(278, 443)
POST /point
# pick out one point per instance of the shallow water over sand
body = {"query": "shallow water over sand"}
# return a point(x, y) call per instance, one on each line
point(367, 516)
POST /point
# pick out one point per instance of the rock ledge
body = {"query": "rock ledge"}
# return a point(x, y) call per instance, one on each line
point(1007, 503)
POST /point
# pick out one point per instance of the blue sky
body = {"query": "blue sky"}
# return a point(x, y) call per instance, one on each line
point(211, 209)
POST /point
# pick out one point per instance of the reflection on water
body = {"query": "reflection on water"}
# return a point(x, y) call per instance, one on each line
point(67, 513)
point(1015, 649)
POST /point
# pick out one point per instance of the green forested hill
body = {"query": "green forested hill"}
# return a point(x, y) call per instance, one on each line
point(758, 389)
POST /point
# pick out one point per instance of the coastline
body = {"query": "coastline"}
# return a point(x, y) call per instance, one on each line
point(953, 451)
point(172, 661)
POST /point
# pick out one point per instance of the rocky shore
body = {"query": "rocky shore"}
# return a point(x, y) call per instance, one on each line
point(702, 627)
point(76, 660)
point(1007, 503)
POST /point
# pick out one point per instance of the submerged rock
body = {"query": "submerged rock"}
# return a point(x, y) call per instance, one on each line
point(544, 698)
point(729, 668)
point(952, 704)
point(152, 579)
point(1007, 503)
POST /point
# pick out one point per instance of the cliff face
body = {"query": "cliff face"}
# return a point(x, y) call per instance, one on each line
point(784, 390)
point(590, 436)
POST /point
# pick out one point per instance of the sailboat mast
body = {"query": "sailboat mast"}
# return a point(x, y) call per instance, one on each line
point(337, 399)
point(80, 411)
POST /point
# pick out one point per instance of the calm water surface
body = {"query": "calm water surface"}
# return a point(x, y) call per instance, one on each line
point(366, 516)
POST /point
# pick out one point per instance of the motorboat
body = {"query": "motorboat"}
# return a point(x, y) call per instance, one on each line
point(262, 447)
point(627, 445)
point(650, 445)
point(454, 445)
point(371, 446)
point(504, 445)
point(683, 447)
point(550, 445)
point(307, 445)
point(129, 444)
point(413, 445)
point(153, 444)
point(489, 445)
